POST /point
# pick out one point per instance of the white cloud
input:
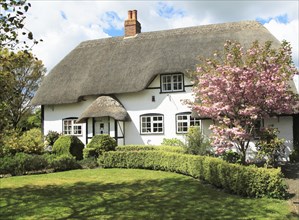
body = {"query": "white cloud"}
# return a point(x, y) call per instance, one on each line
point(87, 20)
point(288, 32)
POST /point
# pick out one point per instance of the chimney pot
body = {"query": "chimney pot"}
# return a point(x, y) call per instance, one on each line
point(134, 17)
point(129, 14)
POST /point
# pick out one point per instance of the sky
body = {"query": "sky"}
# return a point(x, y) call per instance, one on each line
point(64, 24)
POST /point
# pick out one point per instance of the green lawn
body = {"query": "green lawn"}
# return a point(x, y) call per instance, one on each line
point(126, 194)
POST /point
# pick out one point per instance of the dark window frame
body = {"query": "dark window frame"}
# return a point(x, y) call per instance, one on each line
point(151, 116)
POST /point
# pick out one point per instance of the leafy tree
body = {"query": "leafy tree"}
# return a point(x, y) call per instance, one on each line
point(31, 119)
point(13, 36)
point(12, 19)
point(238, 87)
point(21, 75)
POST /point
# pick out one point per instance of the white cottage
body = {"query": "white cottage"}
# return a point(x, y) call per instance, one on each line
point(132, 87)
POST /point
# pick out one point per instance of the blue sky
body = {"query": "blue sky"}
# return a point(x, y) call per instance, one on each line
point(64, 24)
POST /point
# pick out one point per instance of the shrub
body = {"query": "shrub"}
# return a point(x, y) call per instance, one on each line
point(88, 163)
point(175, 149)
point(32, 141)
point(270, 146)
point(63, 162)
point(231, 156)
point(11, 143)
point(89, 153)
point(21, 163)
point(69, 145)
point(247, 181)
point(51, 137)
point(172, 142)
point(102, 143)
point(196, 142)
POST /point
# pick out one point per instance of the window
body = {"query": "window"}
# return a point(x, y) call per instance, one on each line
point(70, 127)
point(184, 121)
point(172, 83)
point(257, 128)
point(152, 124)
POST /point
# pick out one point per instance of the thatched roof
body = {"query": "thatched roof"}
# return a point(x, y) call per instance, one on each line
point(105, 106)
point(121, 65)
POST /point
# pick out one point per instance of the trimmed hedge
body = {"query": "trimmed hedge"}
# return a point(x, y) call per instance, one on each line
point(23, 163)
point(241, 180)
point(174, 149)
point(70, 145)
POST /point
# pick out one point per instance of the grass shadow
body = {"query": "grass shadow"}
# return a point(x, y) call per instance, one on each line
point(143, 199)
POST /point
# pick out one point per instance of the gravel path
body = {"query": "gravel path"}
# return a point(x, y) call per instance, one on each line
point(291, 172)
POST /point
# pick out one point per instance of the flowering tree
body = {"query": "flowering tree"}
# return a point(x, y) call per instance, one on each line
point(239, 87)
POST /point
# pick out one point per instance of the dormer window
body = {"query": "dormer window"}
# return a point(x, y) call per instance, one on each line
point(172, 82)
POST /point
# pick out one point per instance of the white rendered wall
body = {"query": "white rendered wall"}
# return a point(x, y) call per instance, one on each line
point(53, 115)
point(168, 104)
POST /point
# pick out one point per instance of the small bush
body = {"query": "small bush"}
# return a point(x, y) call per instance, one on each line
point(69, 145)
point(21, 163)
point(32, 141)
point(270, 147)
point(89, 153)
point(172, 142)
point(150, 147)
point(242, 180)
point(102, 143)
point(63, 162)
point(89, 163)
point(231, 156)
point(11, 143)
point(196, 142)
point(51, 137)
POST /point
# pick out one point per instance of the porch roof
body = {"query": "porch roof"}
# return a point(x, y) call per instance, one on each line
point(104, 106)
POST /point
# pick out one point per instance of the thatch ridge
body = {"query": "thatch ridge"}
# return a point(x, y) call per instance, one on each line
point(122, 65)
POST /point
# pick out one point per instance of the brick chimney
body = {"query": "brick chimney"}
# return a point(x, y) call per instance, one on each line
point(132, 26)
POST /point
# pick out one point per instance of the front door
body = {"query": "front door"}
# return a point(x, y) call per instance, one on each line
point(102, 126)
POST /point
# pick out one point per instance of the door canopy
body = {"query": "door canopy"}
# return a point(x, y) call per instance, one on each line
point(104, 106)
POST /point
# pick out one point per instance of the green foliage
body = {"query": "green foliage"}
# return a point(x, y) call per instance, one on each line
point(63, 162)
point(241, 180)
point(175, 149)
point(102, 143)
point(30, 142)
point(270, 146)
point(196, 142)
point(21, 163)
point(90, 153)
point(231, 156)
point(172, 142)
point(30, 120)
point(88, 163)
point(51, 137)
point(12, 24)
point(11, 143)
point(20, 76)
point(69, 145)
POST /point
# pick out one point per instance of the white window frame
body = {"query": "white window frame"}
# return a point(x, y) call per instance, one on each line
point(72, 128)
point(152, 124)
point(171, 81)
point(184, 121)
